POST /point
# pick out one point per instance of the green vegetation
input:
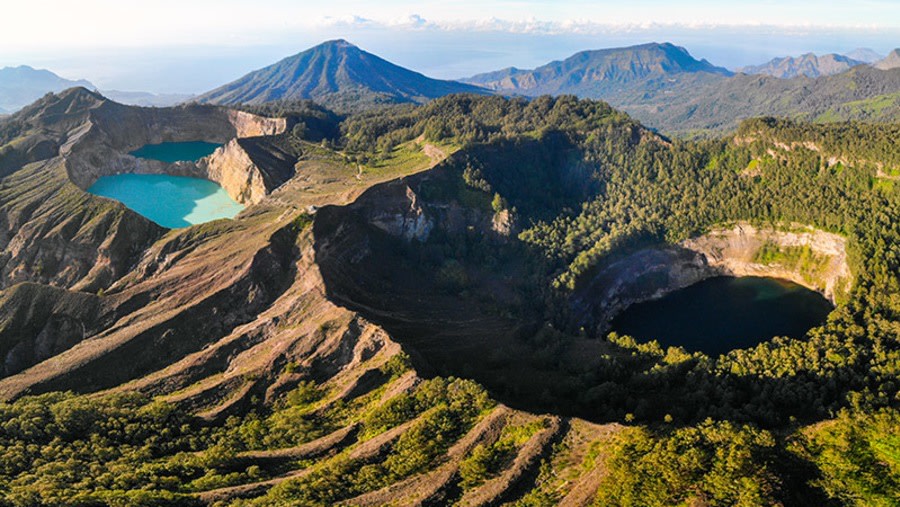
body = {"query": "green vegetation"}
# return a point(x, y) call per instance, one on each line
point(602, 186)
point(485, 461)
point(439, 411)
point(468, 119)
point(858, 456)
point(587, 184)
point(63, 449)
point(801, 259)
point(60, 449)
point(306, 119)
point(714, 464)
point(668, 90)
point(877, 108)
point(400, 159)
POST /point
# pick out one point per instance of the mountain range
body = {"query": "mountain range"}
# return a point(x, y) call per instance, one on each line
point(596, 72)
point(660, 84)
point(809, 65)
point(666, 88)
point(337, 74)
point(22, 85)
point(864, 55)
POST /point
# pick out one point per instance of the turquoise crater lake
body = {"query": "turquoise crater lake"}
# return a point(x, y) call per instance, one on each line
point(725, 313)
point(189, 151)
point(170, 201)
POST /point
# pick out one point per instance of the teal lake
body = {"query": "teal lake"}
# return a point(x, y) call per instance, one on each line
point(176, 152)
point(170, 201)
point(725, 313)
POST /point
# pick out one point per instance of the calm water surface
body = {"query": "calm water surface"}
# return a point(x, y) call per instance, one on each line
point(725, 313)
point(170, 201)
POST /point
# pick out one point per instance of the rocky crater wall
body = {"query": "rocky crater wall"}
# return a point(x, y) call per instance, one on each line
point(232, 168)
point(100, 147)
point(809, 257)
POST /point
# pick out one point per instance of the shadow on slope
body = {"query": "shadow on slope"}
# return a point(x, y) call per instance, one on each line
point(427, 258)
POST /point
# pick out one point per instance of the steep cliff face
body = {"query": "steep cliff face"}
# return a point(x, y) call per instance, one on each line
point(188, 290)
point(42, 321)
point(100, 146)
point(813, 258)
point(231, 167)
point(403, 216)
point(251, 168)
point(806, 256)
point(251, 125)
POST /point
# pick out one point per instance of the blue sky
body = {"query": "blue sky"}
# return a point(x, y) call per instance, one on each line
point(193, 45)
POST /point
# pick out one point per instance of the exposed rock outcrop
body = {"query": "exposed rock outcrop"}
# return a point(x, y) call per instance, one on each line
point(404, 216)
point(100, 146)
point(813, 258)
point(251, 168)
point(42, 321)
point(231, 167)
point(251, 125)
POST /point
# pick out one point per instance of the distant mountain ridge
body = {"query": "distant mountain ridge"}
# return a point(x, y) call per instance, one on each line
point(588, 73)
point(891, 61)
point(864, 55)
point(22, 85)
point(337, 74)
point(667, 89)
point(809, 65)
point(146, 99)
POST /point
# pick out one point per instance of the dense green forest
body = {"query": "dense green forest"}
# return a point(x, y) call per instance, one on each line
point(644, 189)
point(789, 422)
point(633, 188)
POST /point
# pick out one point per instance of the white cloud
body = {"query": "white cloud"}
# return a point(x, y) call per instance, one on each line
point(534, 26)
point(48, 24)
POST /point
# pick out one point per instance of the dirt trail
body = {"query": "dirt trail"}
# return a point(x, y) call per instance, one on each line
point(436, 154)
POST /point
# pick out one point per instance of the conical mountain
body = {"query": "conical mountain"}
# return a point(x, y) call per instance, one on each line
point(891, 61)
point(595, 71)
point(334, 73)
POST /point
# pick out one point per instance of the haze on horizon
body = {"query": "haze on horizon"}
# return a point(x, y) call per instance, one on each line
point(168, 46)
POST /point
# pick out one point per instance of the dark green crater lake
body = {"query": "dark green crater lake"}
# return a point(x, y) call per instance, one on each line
point(170, 201)
point(725, 313)
point(176, 152)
